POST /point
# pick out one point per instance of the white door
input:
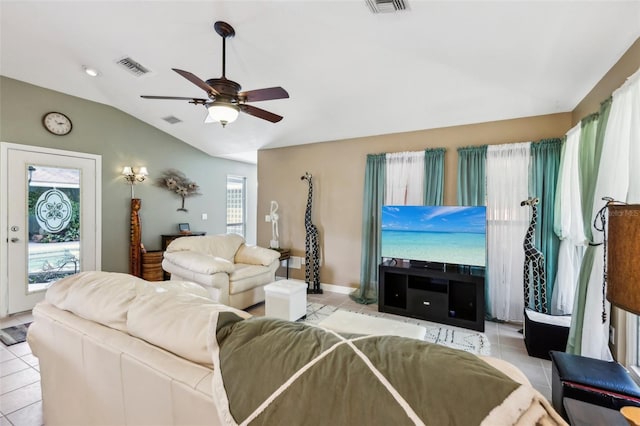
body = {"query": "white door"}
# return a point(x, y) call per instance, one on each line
point(52, 227)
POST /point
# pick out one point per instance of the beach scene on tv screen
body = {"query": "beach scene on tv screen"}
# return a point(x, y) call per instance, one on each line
point(444, 234)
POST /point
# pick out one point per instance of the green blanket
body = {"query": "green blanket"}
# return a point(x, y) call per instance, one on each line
point(274, 372)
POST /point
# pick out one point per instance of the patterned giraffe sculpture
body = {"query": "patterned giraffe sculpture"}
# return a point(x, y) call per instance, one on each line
point(311, 245)
point(534, 262)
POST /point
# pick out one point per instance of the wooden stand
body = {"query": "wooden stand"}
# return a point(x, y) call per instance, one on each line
point(152, 266)
point(135, 267)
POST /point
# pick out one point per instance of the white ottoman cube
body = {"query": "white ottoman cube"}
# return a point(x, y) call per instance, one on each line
point(286, 299)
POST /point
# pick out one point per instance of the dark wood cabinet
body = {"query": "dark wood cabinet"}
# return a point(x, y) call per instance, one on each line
point(167, 238)
point(451, 295)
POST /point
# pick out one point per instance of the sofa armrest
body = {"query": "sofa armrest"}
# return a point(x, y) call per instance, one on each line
point(200, 263)
point(255, 255)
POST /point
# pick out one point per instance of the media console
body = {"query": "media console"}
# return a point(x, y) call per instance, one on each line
point(452, 294)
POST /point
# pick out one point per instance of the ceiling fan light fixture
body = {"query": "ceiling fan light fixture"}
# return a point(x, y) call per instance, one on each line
point(223, 112)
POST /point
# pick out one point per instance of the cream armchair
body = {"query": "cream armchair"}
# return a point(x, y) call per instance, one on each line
point(232, 272)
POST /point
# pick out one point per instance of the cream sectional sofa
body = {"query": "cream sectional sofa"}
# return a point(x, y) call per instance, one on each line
point(233, 272)
point(116, 350)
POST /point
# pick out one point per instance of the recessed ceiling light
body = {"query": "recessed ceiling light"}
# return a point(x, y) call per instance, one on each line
point(91, 71)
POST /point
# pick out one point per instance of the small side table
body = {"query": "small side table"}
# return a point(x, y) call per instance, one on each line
point(285, 254)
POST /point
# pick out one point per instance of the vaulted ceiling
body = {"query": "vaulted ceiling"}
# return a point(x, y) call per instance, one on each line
point(349, 72)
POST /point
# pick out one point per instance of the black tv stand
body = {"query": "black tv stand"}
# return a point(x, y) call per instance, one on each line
point(451, 294)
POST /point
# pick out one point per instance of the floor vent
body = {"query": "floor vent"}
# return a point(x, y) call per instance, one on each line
point(386, 6)
point(172, 119)
point(132, 66)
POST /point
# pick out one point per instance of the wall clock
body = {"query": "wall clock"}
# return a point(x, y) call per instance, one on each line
point(57, 123)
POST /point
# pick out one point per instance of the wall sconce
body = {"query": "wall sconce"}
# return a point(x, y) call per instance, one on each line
point(132, 177)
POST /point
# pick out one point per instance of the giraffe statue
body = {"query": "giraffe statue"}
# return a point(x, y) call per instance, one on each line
point(311, 245)
point(534, 262)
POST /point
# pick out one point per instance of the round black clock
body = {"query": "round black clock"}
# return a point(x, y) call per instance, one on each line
point(57, 123)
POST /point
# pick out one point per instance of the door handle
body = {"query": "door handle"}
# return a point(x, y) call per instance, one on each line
point(15, 240)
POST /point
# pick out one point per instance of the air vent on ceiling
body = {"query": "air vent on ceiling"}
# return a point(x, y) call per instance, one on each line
point(386, 6)
point(172, 119)
point(132, 66)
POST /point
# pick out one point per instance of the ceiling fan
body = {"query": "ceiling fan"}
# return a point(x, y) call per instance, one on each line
point(224, 98)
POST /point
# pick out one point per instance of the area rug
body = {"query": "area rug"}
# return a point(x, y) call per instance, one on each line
point(454, 337)
point(14, 335)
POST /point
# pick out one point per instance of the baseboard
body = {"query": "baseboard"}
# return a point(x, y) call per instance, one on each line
point(327, 287)
point(337, 288)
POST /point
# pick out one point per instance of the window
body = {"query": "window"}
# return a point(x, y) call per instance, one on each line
point(236, 205)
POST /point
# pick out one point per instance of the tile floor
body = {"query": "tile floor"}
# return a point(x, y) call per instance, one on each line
point(20, 395)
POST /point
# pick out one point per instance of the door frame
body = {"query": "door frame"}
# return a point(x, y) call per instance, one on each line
point(4, 205)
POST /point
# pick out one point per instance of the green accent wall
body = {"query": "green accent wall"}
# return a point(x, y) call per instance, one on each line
point(123, 140)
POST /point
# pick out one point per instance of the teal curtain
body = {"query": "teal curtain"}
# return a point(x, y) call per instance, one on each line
point(591, 138)
point(471, 175)
point(471, 191)
point(373, 199)
point(434, 176)
point(544, 167)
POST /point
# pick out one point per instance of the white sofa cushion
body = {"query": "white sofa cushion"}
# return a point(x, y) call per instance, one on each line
point(199, 262)
point(105, 297)
point(177, 286)
point(223, 245)
point(255, 255)
point(97, 296)
point(247, 277)
point(183, 325)
point(220, 280)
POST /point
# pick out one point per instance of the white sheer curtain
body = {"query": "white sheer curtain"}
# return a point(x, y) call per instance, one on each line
point(618, 178)
point(507, 174)
point(568, 226)
point(405, 178)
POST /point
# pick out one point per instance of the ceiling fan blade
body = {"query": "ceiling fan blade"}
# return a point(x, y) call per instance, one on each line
point(195, 80)
point(260, 113)
point(263, 94)
point(177, 98)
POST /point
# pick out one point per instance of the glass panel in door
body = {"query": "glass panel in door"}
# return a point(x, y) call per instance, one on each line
point(53, 224)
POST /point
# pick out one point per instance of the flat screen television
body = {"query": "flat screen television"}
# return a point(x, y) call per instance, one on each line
point(435, 234)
